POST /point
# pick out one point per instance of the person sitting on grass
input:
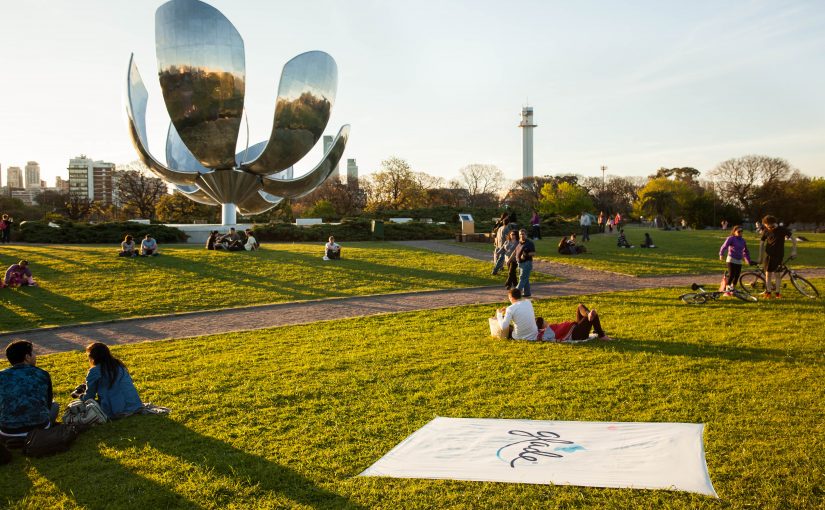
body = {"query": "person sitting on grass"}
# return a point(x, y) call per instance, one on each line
point(577, 330)
point(108, 381)
point(148, 247)
point(25, 394)
point(648, 241)
point(621, 242)
point(332, 250)
point(570, 247)
point(19, 275)
point(127, 247)
point(520, 313)
point(212, 240)
point(251, 242)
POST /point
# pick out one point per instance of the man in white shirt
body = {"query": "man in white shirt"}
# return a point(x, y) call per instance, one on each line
point(585, 222)
point(332, 250)
point(521, 313)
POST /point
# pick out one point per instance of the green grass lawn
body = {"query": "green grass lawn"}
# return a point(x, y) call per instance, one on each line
point(677, 252)
point(288, 417)
point(90, 283)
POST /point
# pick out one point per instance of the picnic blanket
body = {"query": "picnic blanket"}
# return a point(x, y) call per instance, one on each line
point(591, 454)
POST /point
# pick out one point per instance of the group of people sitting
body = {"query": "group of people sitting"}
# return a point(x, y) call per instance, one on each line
point(26, 395)
point(232, 240)
point(18, 275)
point(622, 241)
point(148, 247)
point(568, 246)
point(519, 322)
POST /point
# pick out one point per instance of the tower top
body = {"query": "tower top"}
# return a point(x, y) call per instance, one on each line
point(527, 117)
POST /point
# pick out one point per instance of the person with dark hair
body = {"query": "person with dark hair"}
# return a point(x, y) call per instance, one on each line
point(109, 382)
point(127, 247)
point(648, 242)
point(19, 274)
point(148, 247)
point(621, 241)
point(772, 254)
point(5, 228)
point(332, 250)
point(535, 223)
point(524, 255)
point(25, 393)
point(510, 246)
point(499, 239)
point(251, 243)
point(734, 251)
point(579, 329)
point(521, 314)
point(212, 240)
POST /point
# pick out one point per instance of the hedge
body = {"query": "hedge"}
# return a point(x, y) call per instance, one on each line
point(69, 232)
point(359, 230)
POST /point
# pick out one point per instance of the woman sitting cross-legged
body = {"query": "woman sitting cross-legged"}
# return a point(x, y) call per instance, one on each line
point(109, 382)
point(586, 320)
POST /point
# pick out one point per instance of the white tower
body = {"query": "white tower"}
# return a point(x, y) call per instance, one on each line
point(527, 140)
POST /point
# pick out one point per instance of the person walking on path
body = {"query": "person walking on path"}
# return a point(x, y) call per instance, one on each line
point(585, 222)
point(734, 251)
point(772, 253)
point(600, 221)
point(524, 255)
point(510, 259)
point(498, 245)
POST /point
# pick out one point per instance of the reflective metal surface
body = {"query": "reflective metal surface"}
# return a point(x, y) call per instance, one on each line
point(201, 66)
point(136, 99)
point(202, 75)
point(294, 188)
point(306, 94)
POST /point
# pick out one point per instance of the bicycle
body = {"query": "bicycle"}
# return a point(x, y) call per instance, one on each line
point(753, 281)
point(700, 295)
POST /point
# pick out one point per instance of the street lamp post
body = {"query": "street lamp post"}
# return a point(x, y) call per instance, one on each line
point(604, 168)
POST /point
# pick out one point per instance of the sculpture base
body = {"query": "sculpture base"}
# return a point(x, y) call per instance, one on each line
point(198, 234)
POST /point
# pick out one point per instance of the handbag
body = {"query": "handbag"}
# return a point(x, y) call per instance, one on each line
point(84, 414)
point(495, 329)
point(55, 439)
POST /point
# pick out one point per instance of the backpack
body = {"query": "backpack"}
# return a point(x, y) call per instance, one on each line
point(84, 413)
point(55, 439)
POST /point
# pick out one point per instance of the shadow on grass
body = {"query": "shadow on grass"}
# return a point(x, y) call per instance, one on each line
point(47, 307)
point(693, 350)
point(96, 481)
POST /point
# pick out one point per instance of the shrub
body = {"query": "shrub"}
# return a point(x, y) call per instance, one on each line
point(102, 233)
point(352, 230)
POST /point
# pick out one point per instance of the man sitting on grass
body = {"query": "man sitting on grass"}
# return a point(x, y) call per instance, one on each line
point(621, 242)
point(25, 394)
point(148, 247)
point(18, 274)
point(521, 314)
point(332, 250)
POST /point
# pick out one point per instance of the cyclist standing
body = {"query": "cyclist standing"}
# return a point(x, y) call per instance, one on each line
point(772, 253)
point(734, 251)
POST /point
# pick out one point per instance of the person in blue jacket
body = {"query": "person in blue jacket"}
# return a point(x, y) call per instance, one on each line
point(109, 381)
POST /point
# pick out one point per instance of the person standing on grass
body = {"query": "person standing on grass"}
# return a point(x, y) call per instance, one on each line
point(610, 225)
point(518, 319)
point(510, 246)
point(734, 251)
point(524, 255)
point(109, 383)
point(25, 393)
point(535, 223)
point(5, 228)
point(772, 254)
point(585, 222)
point(617, 221)
point(600, 221)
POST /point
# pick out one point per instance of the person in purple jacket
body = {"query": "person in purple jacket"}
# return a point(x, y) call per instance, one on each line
point(734, 251)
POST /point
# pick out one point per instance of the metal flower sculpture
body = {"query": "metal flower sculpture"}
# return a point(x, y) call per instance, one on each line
point(202, 75)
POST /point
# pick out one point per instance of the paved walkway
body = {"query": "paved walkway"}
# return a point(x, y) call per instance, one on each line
point(577, 281)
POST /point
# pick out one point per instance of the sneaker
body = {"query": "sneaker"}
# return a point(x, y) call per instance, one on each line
point(326, 258)
point(778, 296)
point(766, 295)
point(728, 294)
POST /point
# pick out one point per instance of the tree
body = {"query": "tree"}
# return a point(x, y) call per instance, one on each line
point(565, 199)
point(77, 207)
point(177, 208)
point(481, 181)
point(140, 192)
point(394, 187)
point(526, 192)
point(739, 179)
point(664, 197)
point(322, 209)
point(685, 174)
point(616, 194)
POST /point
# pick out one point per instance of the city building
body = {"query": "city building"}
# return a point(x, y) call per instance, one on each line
point(14, 177)
point(28, 196)
point(32, 175)
point(61, 184)
point(92, 180)
point(335, 176)
point(527, 141)
point(352, 174)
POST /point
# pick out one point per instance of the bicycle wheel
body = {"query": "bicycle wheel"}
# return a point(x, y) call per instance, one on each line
point(693, 298)
point(752, 282)
point(744, 296)
point(804, 287)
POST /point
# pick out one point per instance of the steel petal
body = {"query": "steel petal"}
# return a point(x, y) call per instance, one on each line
point(306, 94)
point(202, 75)
point(258, 203)
point(229, 186)
point(196, 195)
point(178, 155)
point(136, 99)
point(294, 188)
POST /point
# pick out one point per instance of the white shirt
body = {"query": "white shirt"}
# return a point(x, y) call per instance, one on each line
point(251, 244)
point(333, 246)
point(585, 220)
point(523, 317)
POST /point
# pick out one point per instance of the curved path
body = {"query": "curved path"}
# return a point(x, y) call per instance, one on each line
point(577, 281)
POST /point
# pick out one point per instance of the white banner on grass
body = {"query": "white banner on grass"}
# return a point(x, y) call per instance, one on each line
point(591, 454)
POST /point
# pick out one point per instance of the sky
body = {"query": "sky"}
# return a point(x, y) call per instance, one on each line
point(633, 85)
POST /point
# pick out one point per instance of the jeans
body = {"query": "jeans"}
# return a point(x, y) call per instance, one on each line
point(498, 257)
point(524, 269)
point(536, 231)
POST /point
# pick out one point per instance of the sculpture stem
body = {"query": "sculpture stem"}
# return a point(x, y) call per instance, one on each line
point(228, 214)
